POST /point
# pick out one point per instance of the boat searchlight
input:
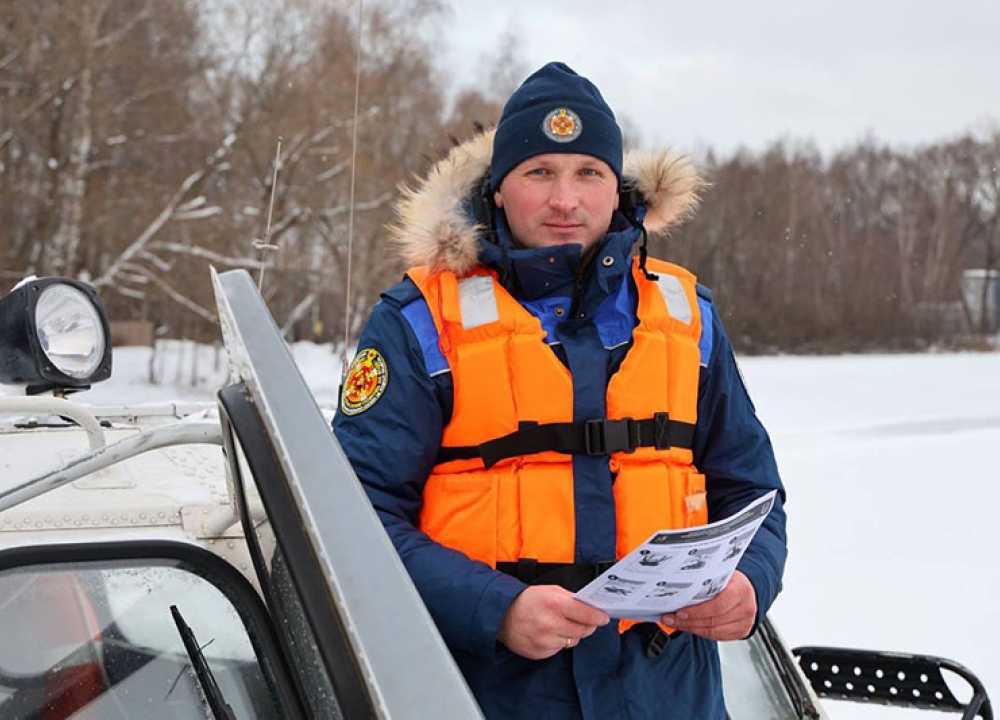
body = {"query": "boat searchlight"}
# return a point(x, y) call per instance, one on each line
point(54, 335)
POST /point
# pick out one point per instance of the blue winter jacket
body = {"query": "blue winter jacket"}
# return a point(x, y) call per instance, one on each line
point(393, 444)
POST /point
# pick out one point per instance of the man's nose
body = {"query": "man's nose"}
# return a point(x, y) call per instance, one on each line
point(563, 197)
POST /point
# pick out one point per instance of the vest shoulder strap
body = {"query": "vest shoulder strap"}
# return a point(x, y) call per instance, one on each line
point(477, 300)
point(672, 281)
point(477, 303)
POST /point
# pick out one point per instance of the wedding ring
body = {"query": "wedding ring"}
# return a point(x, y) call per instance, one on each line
point(569, 643)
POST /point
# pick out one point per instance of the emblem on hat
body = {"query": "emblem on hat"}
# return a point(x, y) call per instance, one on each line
point(562, 125)
point(365, 383)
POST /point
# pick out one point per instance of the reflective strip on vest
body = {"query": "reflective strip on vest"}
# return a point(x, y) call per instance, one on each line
point(673, 295)
point(477, 301)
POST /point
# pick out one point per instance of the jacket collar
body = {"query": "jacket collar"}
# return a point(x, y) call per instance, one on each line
point(434, 226)
point(531, 273)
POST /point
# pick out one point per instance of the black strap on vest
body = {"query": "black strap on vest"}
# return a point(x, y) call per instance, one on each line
point(572, 576)
point(593, 437)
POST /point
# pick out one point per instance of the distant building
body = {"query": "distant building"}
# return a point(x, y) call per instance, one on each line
point(981, 294)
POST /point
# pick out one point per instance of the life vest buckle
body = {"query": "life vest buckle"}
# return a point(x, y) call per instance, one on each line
point(605, 437)
point(656, 639)
point(657, 644)
point(602, 567)
point(661, 431)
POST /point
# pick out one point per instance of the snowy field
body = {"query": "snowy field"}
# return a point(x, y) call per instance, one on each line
point(892, 465)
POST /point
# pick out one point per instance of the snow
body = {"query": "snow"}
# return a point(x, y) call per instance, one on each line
point(890, 463)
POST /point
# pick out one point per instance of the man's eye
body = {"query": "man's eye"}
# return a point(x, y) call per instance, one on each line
point(589, 172)
point(538, 171)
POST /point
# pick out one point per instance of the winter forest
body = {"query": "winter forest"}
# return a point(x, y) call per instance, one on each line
point(138, 142)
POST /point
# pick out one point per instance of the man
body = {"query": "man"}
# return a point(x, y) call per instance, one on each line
point(531, 403)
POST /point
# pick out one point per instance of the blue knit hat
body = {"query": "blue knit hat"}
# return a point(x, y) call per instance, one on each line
point(555, 111)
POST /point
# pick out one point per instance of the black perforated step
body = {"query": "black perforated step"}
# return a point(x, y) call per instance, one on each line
point(890, 679)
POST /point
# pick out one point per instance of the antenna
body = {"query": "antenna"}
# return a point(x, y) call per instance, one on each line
point(264, 245)
point(350, 214)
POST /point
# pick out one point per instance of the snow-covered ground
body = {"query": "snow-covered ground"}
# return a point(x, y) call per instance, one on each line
point(892, 466)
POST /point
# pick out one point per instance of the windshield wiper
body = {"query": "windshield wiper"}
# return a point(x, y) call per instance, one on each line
point(220, 708)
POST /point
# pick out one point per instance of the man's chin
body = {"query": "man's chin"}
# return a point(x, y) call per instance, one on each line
point(551, 244)
point(559, 239)
point(550, 239)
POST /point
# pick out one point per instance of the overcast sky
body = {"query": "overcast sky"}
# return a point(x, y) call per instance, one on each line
point(727, 73)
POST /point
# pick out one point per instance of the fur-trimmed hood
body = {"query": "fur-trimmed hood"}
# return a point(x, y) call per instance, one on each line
point(434, 227)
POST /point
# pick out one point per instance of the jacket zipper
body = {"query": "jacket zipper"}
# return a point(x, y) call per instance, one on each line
point(574, 307)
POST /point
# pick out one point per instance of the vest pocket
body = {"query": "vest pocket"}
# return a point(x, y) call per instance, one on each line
point(460, 512)
point(642, 503)
point(547, 512)
point(654, 496)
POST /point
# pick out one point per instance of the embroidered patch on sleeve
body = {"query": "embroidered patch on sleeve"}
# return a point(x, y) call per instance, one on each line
point(365, 383)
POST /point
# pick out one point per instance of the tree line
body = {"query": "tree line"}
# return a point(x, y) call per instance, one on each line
point(861, 250)
point(138, 144)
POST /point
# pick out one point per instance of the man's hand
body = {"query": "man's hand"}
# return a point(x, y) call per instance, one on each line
point(730, 615)
point(545, 619)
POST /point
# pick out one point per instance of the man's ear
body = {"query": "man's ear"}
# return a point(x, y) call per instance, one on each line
point(498, 199)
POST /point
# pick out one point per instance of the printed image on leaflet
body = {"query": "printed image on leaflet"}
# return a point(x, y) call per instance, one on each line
point(649, 561)
point(712, 587)
point(736, 545)
point(616, 589)
point(664, 589)
point(697, 557)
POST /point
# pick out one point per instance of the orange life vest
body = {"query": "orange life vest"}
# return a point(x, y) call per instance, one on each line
point(504, 375)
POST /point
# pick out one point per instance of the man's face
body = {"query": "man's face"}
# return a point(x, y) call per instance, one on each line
point(558, 198)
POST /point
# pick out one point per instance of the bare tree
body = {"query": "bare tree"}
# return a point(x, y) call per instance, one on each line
point(137, 144)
